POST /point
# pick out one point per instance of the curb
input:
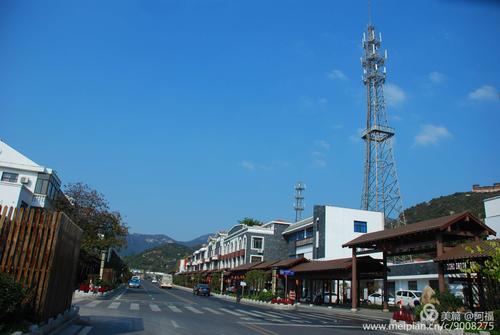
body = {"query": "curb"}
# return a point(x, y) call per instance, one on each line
point(245, 301)
point(54, 325)
point(81, 295)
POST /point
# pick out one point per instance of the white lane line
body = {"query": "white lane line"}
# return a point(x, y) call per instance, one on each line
point(155, 308)
point(230, 312)
point(93, 303)
point(134, 306)
point(276, 315)
point(174, 324)
point(174, 309)
point(260, 313)
point(85, 330)
point(249, 313)
point(212, 310)
point(194, 310)
point(114, 305)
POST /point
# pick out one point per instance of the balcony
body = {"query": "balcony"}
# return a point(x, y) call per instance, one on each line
point(38, 200)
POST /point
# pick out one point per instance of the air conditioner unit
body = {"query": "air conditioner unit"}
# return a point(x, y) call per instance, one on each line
point(25, 180)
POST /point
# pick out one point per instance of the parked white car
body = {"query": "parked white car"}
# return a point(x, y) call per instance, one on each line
point(376, 299)
point(408, 297)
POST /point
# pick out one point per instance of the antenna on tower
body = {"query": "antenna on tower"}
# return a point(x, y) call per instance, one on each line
point(299, 200)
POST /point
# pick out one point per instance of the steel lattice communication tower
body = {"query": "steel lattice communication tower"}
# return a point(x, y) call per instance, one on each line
point(381, 188)
point(299, 198)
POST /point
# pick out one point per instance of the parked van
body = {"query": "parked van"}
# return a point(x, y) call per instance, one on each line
point(408, 297)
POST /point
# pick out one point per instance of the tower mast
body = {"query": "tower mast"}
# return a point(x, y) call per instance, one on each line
point(381, 187)
point(299, 198)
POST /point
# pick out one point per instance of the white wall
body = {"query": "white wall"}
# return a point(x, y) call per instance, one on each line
point(339, 229)
point(492, 210)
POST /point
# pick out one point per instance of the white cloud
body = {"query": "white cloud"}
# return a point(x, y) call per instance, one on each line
point(431, 134)
point(394, 95)
point(323, 144)
point(437, 77)
point(250, 166)
point(484, 93)
point(337, 75)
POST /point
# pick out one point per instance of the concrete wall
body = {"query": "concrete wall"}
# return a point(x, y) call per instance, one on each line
point(339, 229)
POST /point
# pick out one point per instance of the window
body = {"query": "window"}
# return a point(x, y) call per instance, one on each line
point(412, 285)
point(254, 259)
point(309, 232)
point(257, 243)
point(10, 177)
point(360, 227)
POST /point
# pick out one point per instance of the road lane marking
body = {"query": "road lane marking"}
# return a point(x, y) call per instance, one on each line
point(93, 303)
point(155, 308)
point(134, 306)
point(114, 305)
point(277, 315)
point(212, 310)
point(260, 313)
point(174, 324)
point(174, 309)
point(194, 310)
point(85, 330)
point(249, 313)
point(230, 312)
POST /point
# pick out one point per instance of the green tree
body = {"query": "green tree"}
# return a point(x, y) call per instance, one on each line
point(250, 222)
point(89, 209)
point(256, 279)
point(491, 267)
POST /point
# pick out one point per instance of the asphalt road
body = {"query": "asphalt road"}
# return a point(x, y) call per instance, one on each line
point(151, 310)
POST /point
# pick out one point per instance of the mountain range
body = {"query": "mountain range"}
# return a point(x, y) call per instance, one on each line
point(137, 243)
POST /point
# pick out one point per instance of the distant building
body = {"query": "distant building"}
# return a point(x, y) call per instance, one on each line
point(322, 235)
point(242, 244)
point(25, 183)
point(486, 189)
point(492, 211)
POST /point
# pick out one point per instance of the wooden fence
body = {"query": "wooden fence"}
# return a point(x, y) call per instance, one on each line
point(40, 249)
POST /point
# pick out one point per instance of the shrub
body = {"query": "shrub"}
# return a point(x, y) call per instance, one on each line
point(265, 296)
point(13, 297)
point(447, 302)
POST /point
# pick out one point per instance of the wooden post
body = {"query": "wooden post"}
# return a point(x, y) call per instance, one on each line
point(354, 282)
point(338, 292)
point(273, 282)
point(440, 251)
point(385, 290)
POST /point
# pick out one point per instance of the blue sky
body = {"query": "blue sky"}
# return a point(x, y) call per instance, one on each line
point(190, 115)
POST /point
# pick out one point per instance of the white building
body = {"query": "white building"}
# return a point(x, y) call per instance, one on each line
point(322, 235)
point(492, 211)
point(25, 183)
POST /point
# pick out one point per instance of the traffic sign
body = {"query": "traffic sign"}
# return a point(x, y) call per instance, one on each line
point(287, 273)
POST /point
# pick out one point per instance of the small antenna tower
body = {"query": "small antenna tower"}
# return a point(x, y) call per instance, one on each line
point(381, 187)
point(299, 200)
